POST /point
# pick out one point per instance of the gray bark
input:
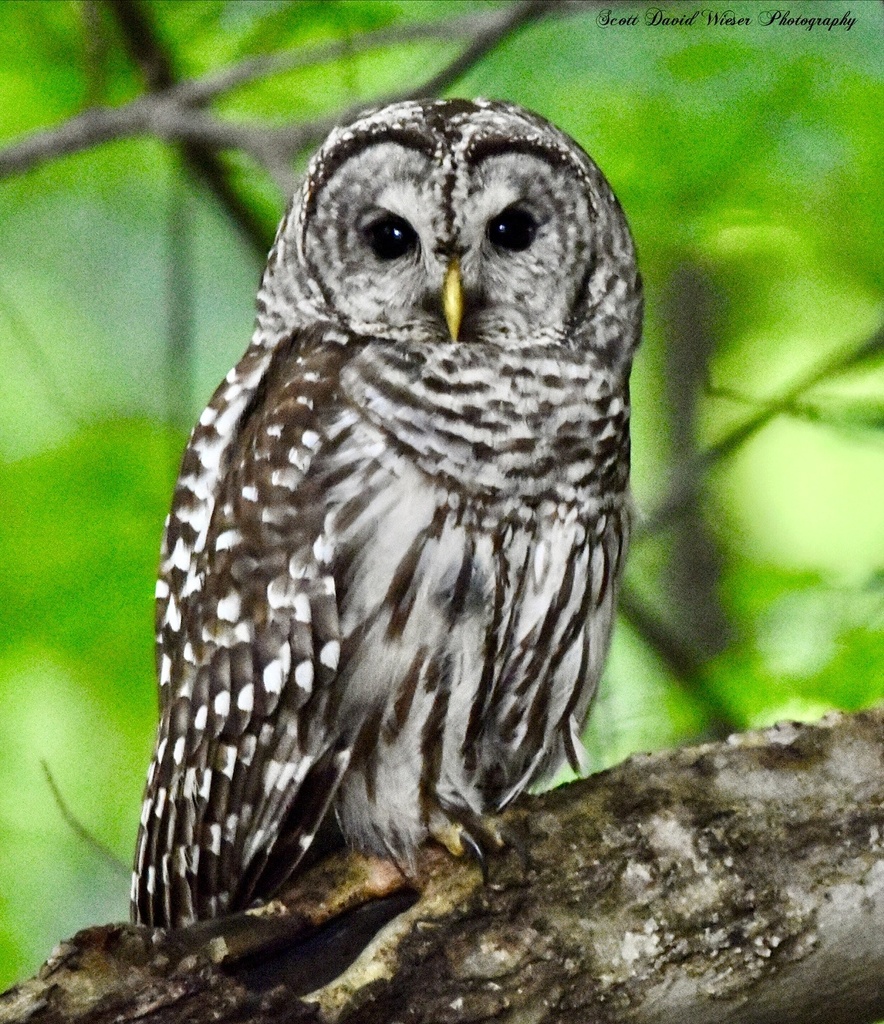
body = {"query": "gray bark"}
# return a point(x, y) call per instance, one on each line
point(737, 881)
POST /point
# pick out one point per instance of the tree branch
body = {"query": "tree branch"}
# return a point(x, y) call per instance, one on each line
point(289, 141)
point(688, 477)
point(157, 67)
point(733, 882)
point(681, 658)
point(254, 69)
point(173, 114)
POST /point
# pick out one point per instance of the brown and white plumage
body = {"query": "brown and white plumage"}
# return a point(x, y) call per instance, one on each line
point(389, 573)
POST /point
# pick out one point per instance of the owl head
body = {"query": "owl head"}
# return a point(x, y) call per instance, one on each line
point(449, 220)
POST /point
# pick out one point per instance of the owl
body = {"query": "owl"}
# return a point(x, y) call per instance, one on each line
point(389, 573)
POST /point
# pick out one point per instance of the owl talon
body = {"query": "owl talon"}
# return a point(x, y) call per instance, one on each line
point(471, 840)
point(474, 850)
point(451, 837)
point(461, 843)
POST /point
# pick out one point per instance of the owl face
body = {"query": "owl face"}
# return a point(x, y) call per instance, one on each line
point(449, 219)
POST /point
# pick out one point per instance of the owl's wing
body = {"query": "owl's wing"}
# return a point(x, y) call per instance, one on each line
point(248, 760)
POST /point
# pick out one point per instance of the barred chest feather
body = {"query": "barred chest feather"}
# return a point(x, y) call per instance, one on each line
point(472, 651)
point(475, 578)
point(526, 423)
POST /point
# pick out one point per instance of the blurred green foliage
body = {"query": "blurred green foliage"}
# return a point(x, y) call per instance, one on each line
point(748, 161)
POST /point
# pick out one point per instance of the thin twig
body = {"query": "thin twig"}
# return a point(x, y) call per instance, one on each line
point(200, 91)
point(205, 166)
point(293, 139)
point(519, 15)
point(165, 116)
point(683, 661)
point(690, 476)
point(80, 829)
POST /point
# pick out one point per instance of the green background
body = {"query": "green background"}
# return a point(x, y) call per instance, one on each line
point(749, 161)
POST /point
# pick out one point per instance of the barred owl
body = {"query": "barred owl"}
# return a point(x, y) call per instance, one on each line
point(389, 572)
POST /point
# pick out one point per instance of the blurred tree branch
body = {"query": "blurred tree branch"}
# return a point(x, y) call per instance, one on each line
point(688, 478)
point(692, 600)
point(678, 651)
point(686, 627)
point(157, 66)
point(173, 111)
point(734, 882)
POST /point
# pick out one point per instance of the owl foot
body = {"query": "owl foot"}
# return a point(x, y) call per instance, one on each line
point(471, 839)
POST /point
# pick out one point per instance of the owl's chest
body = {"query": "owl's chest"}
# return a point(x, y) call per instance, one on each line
point(505, 430)
point(425, 576)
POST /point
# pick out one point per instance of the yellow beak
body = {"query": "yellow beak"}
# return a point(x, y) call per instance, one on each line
point(452, 298)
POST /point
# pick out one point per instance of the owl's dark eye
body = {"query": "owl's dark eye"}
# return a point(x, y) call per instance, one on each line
point(513, 229)
point(390, 237)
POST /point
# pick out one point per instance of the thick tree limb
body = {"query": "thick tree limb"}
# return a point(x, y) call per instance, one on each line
point(738, 881)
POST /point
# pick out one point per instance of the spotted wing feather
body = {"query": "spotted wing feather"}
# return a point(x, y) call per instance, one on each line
point(247, 634)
